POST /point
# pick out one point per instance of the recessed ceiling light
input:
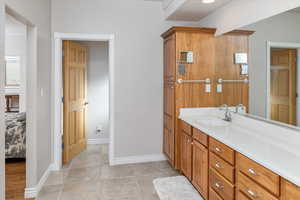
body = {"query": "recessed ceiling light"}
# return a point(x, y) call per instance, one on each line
point(208, 1)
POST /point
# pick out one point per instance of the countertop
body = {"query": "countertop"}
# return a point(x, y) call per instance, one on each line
point(275, 147)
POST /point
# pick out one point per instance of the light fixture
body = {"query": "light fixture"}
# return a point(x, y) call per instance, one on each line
point(208, 1)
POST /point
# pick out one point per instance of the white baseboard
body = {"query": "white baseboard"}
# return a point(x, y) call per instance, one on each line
point(34, 191)
point(98, 141)
point(137, 159)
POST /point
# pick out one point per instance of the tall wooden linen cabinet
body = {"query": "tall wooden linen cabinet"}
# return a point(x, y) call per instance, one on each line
point(213, 58)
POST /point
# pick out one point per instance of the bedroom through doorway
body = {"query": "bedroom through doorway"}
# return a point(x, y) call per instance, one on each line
point(15, 108)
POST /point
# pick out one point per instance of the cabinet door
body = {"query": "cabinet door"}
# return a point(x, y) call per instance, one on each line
point(200, 168)
point(169, 58)
point(186, 155)
point(169, 122)
point(289, 191)
point(169, 98)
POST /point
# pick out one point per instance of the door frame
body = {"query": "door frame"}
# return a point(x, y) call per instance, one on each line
point(284, 45)
point(31, 100)
point(56, 100)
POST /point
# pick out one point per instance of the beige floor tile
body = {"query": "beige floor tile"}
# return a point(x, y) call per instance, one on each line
point(119, 171)
point(90, 190)
point(83, 174)
point(50, 192)
point(56, 177)
point(89, 177)
point(120, 188)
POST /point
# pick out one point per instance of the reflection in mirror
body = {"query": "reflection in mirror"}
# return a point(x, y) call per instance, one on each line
point(274, 68)
point(12, 71)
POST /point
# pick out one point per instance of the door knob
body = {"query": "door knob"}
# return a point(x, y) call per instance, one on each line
point(86, 103)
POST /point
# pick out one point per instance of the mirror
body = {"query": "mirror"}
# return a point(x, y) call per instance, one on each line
point(274, 68)
point(12, 70)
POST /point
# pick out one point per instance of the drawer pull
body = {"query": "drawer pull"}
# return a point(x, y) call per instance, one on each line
point(217, 149)
point(251, 171)
point(219, 186)
point(218, 166)
point(251, 193)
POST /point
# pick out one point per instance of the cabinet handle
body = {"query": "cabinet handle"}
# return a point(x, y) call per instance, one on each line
point(251, 171)
point(219, 186)
point(217, 149)
point(251, 193)
point(218, 166)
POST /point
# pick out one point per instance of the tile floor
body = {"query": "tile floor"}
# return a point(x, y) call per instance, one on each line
point(89, 177)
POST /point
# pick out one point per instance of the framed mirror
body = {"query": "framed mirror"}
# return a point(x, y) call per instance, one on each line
point(12, 71)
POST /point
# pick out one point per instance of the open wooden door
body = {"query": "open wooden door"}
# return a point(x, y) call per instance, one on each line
point(74, 89)
point(283, 85)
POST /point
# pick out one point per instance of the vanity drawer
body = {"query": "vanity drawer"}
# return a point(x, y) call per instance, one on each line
point(251, 189)
point(213, 195)
point(241, 196)
point(200, 136)
point(186, 128)
point(221, 150)
point(259, 174)
point(223, 187)
point(221, 166)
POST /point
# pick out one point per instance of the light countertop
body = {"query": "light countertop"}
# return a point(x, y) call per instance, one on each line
point(275, 147)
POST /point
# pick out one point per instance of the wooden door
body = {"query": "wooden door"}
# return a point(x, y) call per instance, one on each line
point(200, 168)
point(186, 155)
point(169, 98)
point(74, 90)
point(283, 85)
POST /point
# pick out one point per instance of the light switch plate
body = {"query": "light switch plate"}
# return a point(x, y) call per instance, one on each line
point(207, 88)
point(240, 58)
point(219, 88)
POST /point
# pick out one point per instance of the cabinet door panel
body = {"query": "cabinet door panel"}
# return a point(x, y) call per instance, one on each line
point(186, 155)
point(200, 168)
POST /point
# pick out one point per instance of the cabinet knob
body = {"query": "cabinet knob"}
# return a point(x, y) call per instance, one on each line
point(217, 149)
point(218, 165)
point(219, 186)
point(251, 193)
point(251, 171)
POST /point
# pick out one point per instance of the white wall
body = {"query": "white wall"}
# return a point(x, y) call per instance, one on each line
point(138, 73)
point(239, 13)
point(2, 105)
point(15, 45)
point(281, 28)
point(37, 12)
point(97, 90)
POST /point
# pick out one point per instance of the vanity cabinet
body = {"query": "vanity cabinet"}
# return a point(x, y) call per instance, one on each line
point(218, 172)
point(212, 58)
point(200, 168)
point(186, 155)
point(289, 191)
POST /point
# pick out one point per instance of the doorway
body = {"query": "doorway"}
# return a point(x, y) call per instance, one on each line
point(20, 85)
point(283, 85)
point(59, 109)
point(283, 82)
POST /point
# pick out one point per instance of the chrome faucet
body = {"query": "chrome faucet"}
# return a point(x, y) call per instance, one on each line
point(227, 117)
point(239, 106)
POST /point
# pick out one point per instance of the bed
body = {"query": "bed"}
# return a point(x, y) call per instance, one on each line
point(15, 135)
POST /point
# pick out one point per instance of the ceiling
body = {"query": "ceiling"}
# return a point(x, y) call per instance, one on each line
point(194, 10)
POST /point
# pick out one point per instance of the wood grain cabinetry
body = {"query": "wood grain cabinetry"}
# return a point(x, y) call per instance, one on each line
point(200, 168)
point(289, 191)
point(186, 155)
point(213, 59)
point(251, 189)
point(221, 150)
point(266, 178)
point(223, 187)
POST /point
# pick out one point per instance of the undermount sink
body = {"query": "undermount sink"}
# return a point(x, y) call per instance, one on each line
point(212, 122)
